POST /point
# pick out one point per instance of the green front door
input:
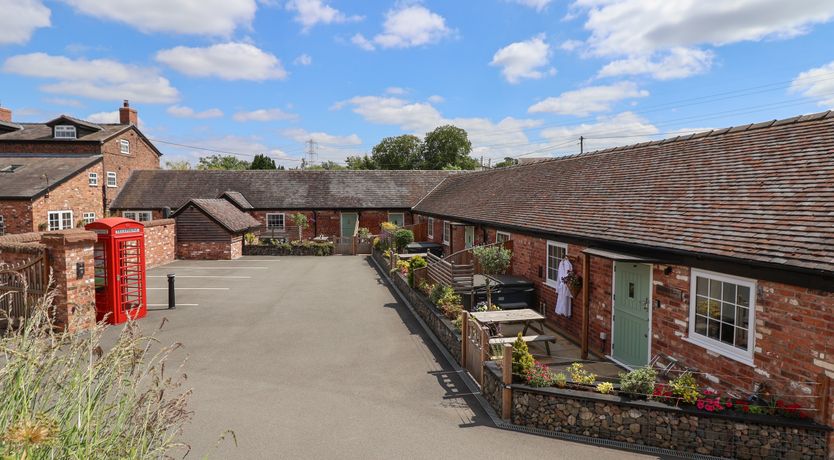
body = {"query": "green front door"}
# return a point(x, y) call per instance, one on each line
point(349, 220)
point(469, 236)
point(632, 287)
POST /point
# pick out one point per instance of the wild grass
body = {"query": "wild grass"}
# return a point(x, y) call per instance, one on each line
point(72, 396)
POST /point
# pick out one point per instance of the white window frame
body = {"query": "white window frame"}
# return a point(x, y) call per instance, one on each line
point(67, 132)
point(283, 225)
point(717, 346)
point(430, 229)
point(124, 146)
point(92, 179)
point(551, 282)
point(61, 219)
point(447, 236)
point(506, 234)
point(395, 213)
point(139, 216)
point(112, 175)
point(88, 217)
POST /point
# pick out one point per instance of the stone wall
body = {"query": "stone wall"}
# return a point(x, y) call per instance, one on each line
point(491, 391)
point(160, 242)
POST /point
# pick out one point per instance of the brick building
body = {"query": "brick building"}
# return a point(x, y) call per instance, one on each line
point(120, 148)
point(336, 203)
point(211, 229)
point(714, 249)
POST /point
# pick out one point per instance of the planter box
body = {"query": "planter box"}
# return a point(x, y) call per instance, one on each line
point(266, 250)
point(652, 423)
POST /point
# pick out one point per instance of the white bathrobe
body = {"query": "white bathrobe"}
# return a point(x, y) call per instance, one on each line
point(564, 297)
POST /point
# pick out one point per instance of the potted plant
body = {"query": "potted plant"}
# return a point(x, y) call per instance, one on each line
point(574, 282)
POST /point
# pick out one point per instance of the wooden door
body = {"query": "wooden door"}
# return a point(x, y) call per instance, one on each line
point(349, 224)
point(632, 298)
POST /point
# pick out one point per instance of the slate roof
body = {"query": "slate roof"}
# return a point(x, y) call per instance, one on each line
point(762, 192)
point(294, 189)
point(34, 171)
point(43, 132)
point(224, 213)
point(237, 199)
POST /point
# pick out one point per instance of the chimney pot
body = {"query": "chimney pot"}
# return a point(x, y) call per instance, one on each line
point(128, 116)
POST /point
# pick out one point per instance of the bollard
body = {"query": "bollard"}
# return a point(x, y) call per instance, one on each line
point(172, 300)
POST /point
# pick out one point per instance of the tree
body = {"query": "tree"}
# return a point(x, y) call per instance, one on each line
point(262, 162)
point(229, 162)
point(399, 152)
point(360, 162)
point(447, 146)
point(494, 260)
point(508, 161)
point(178, 165)
point(326, 166)
point(300, 221)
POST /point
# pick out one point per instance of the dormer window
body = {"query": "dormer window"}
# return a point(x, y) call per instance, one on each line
point(65, 132)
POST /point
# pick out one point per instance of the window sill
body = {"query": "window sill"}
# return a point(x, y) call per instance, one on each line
point(550, 284)
point(746, 360)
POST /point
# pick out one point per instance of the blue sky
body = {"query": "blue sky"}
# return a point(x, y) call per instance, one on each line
point(524, 77)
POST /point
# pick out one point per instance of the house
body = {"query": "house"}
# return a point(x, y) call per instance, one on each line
point(48, 191)
point(714, 249)
point(121, 149)
point(211, 229)
point(336, 203)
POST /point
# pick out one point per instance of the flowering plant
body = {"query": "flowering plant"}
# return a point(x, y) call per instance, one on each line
point(711, 402)
point(573, 281)
point(605, 387)
point(540, 376)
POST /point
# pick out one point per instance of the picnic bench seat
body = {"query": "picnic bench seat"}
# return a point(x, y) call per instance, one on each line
point(513, 305)
point(527, 338)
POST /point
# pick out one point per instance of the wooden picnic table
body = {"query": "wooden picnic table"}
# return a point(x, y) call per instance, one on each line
point(524, 316)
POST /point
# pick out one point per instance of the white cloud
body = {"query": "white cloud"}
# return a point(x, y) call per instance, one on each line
point(571, 45)
point(20, 19)
point(64, 101)
point(488, 137)
point(677, 63)
point(585, 101)
point(639, 27)
point(817, 83)
point(362, 42)
point(312, 12)
point(264, 115)
point(406, 26)
point(436, 99)
point(522, 60)
point(102, 79)
point(228, 61)
point(302, 135)
point(395, 90)
point(187, 112)
point(538, 5)
point(197, 17)
point(602, 133)
point(103, 117)
point(303, 59)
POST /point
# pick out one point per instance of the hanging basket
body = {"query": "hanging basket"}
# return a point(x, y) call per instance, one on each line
point(575, 289)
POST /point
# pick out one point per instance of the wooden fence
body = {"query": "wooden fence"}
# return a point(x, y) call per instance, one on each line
point(22, 285)
point(475, 349)
point(458, 276)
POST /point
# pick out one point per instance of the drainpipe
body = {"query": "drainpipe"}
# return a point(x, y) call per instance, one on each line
point(315, 223)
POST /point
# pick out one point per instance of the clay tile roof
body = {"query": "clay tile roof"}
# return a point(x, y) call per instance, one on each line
point(25, 176)
point(224, 213)
point(763, 193)
point(293, 189)
point(237, 199)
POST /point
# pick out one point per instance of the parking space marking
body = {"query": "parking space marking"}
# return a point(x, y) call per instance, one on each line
point(218, 268)
point(179, 304)
point(204, 276)
point(190, 289)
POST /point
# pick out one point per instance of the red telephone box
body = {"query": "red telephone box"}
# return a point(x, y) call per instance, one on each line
point(119, 269)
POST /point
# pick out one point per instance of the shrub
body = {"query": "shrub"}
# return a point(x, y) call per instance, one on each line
point(560, 380)
point(415, 263)
point(402, 266)
point(685, 387)
point(522, 359)
point(539, 376)
point(640, 381)
point(579, 374)
point(451, 311)
point(494, 260)
point(300, 221)
point(425, 287)
point(402, 238)
point(388, 227)
point(605, 387)
point(71, 395)
point(363, 233)
point(250, 239)
point(458, 323)
point(483, 306)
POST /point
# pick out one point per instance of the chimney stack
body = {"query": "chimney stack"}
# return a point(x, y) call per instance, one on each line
point(5, 115)
point(128, 116)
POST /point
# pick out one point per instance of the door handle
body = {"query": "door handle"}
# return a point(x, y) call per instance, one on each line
point(646, 304)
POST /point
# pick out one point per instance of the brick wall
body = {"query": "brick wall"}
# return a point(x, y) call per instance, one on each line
point(75, 296)
point(328, 222)
point(75, 195)
point(141, 156)
point(160, 242)
point(17, 215)
point(13, 252)
point(210, 250)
